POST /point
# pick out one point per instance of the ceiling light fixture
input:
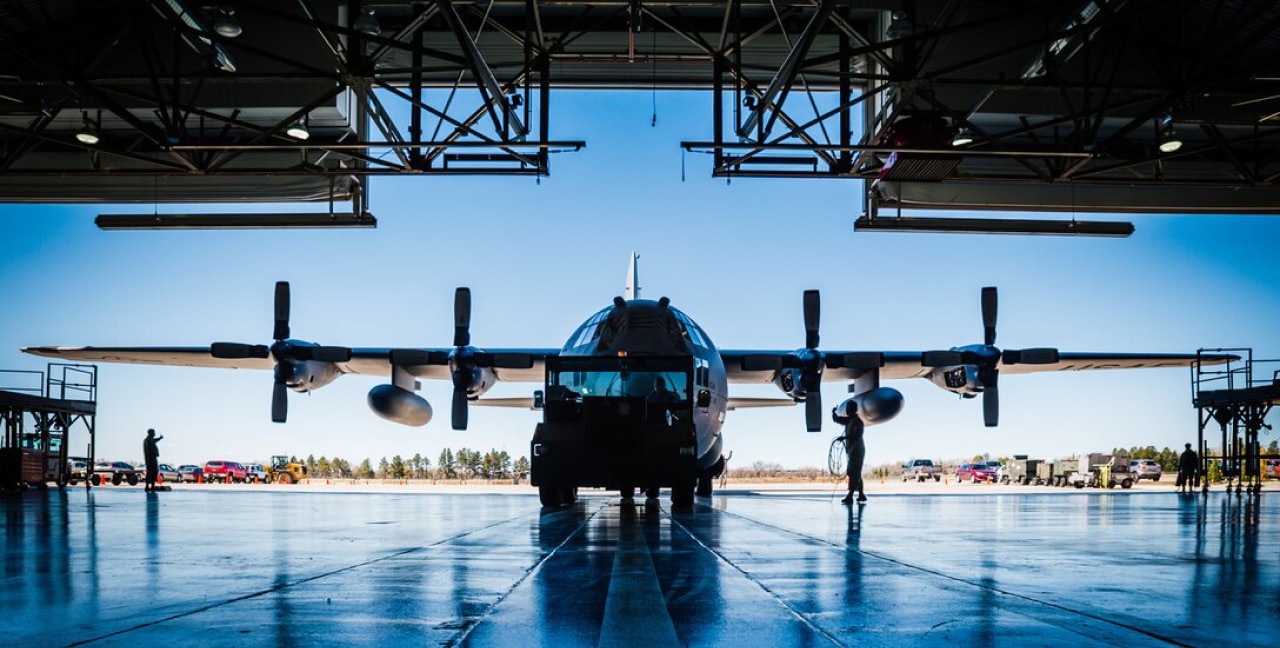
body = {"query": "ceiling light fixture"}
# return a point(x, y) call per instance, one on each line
point(88, 133)
point(226, 24)
point(367, 23)
point(298, 131)
point(1169, 140)
point(962, 138)
point(994, 226)
point(234, 221)
point(899, 26)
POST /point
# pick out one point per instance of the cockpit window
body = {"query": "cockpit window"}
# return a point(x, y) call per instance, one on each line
point(691, 330)
point(654, 385)
point(589, 331)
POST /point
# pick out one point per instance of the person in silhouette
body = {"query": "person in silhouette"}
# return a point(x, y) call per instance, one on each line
point(151, 453)
point(1188, 470)
point(661, 393)
point(856, 453)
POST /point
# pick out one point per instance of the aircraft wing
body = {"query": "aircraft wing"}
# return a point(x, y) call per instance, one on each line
point(753, 366)
point(421, 362)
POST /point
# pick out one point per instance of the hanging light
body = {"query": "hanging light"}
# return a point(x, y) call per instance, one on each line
point(962, 137)
point(88, 133)
point(226, 24)
point(367, 23)
point(298, 130)
point(899, 26)
point(1169, 140)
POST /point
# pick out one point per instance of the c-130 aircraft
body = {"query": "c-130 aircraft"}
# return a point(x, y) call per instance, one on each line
point(637, 396)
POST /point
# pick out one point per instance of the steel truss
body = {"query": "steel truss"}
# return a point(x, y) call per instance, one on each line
point(1065, 101)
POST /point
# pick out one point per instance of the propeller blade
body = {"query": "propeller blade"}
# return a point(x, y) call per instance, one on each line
point(411, 357)
point(279, 403)
point(941, 358)
point(761, 362)
point(855, 360)
point(459, 409)
point(510, 360)
point(461, 321)
point(1036, 356)
point(989, 315)
point(326, 353)
point(812, 313)
point(991, 404)
point(813, 411)
point(238, 351)
point(282, 311)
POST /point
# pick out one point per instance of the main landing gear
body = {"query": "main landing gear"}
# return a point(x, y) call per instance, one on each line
point(557, 495)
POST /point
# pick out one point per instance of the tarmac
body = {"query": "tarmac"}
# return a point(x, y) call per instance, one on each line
point(346, 564)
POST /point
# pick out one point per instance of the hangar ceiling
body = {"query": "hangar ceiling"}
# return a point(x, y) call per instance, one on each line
point(1065, 105)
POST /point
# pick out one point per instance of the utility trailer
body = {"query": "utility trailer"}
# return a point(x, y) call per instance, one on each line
point(1100, 470)
point(1021, 471)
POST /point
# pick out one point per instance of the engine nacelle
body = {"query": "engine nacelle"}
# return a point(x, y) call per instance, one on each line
point(306, 375)
point(874, 407)
point(959, 379)
point(399, 405)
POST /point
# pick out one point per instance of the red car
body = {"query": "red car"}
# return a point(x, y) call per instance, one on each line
point(975, 472)
point(224, 471)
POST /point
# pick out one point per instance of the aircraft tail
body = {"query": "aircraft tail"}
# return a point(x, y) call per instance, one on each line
point(633, 278)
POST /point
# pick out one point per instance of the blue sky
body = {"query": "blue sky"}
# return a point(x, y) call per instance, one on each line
point(541, 257)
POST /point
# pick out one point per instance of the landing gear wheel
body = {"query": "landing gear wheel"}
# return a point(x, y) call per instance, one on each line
point(628, 492)
point(704, 487)
point(549, 495)
point(652, 492)
point(568, 495)
point(682, 495)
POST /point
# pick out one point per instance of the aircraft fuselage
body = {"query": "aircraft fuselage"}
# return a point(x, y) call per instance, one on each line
point(635, 399)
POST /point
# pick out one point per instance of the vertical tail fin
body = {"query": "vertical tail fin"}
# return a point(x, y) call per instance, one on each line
point(633, 278)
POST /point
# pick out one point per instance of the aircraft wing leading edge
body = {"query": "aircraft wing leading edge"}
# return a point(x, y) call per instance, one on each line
point(364, 361)
point(907, 364)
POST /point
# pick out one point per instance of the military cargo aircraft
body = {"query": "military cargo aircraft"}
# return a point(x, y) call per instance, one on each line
point(637, 396)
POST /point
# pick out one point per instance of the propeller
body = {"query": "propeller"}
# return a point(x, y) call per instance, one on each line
point(809, 363)
point(987, 357)
point(285, 351)
point(464, 356)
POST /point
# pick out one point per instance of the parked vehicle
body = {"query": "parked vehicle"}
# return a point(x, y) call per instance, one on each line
point(256, 473)
point(77, 470)
point(224, 471)
point(284, 471)
point(1271, 469)
point(1020, 471)
point(975, 472)
point(1145, 469)
point(921, 470)
point(191, 473)
point(169, 474)
point(115, 472)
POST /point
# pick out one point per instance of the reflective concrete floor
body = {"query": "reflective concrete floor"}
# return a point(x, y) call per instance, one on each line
point(206, 568)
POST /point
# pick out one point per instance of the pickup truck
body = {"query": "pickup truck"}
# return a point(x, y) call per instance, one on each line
point(224, 471)
point(921, 470)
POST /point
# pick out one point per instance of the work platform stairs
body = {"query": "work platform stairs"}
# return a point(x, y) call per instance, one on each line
point(1237, 396)
point(39, 411)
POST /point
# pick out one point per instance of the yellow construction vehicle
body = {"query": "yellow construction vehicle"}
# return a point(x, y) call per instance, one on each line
point(284, 471)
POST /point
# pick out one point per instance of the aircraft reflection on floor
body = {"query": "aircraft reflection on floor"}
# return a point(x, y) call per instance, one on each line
point(480, 570)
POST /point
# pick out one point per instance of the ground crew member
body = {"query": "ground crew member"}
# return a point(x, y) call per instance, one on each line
point(151, 452)
point(856, 450)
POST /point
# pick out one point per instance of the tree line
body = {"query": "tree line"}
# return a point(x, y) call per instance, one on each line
point(463, 463)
